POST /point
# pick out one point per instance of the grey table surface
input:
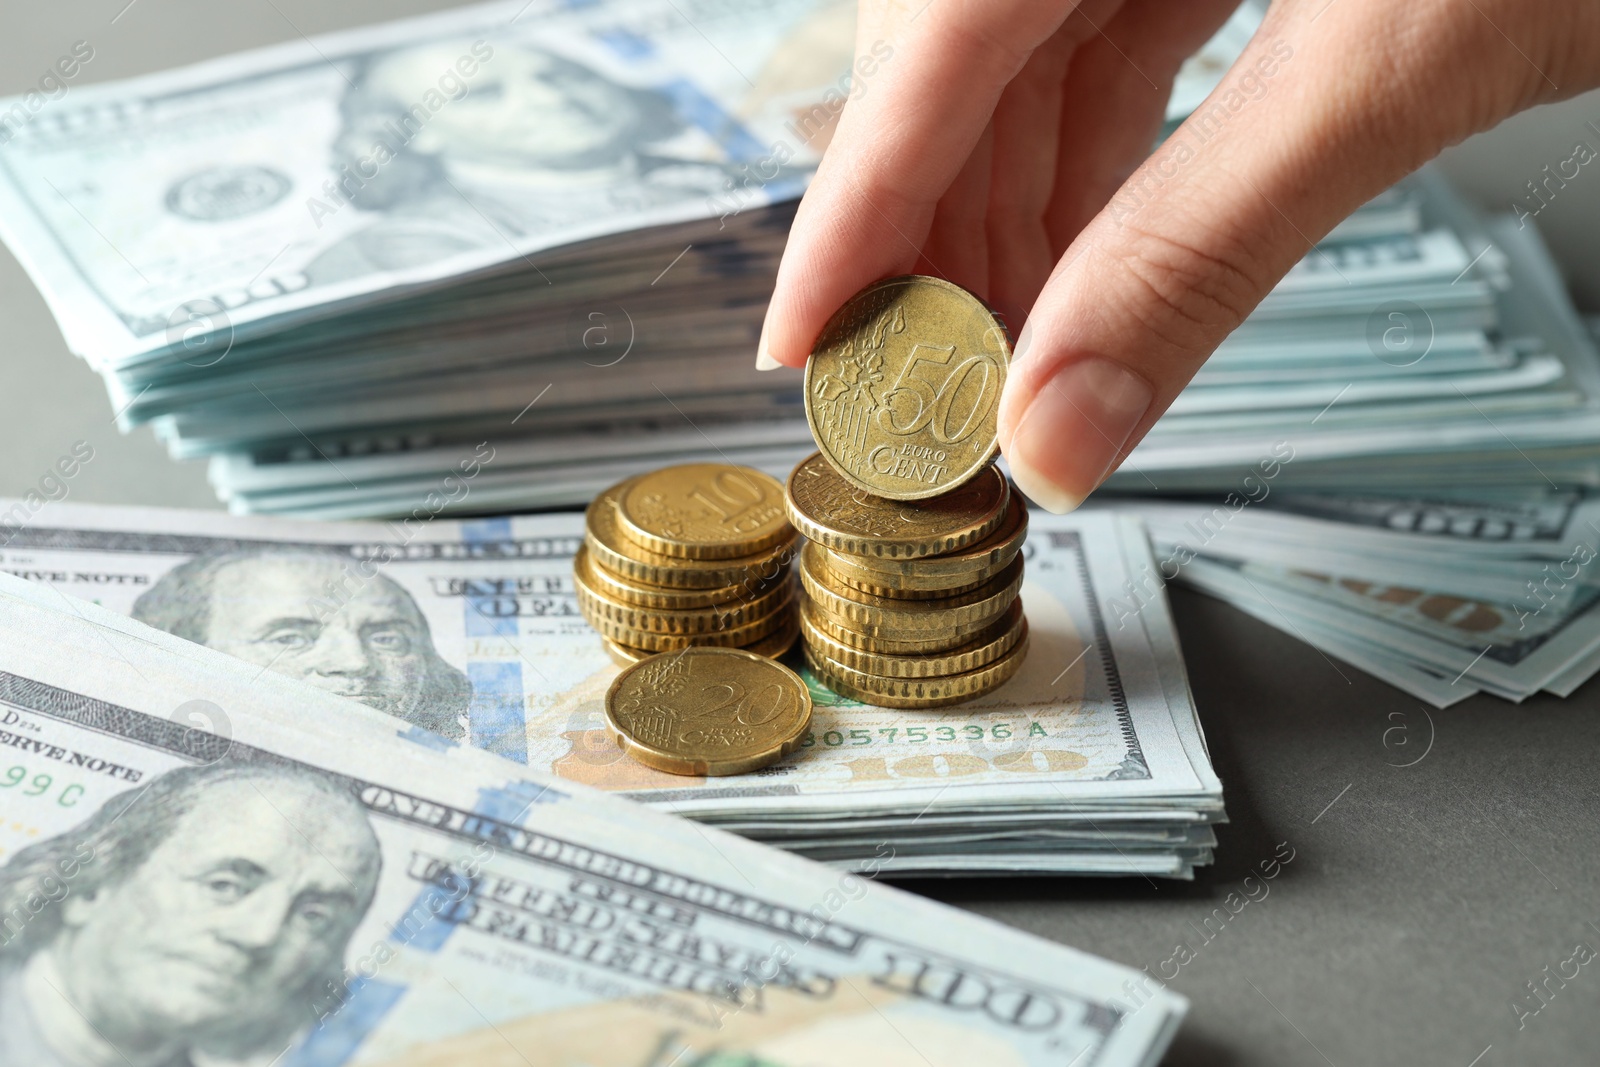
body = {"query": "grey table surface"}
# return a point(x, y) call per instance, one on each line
point(1420, 899)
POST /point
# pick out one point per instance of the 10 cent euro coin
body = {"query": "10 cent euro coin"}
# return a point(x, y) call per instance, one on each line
point(904, 385)
point(703, 511)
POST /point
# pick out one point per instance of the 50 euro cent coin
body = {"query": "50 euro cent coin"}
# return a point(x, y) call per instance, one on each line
point(903, 619)
point(917, 693)
point(838, 515)
point(942, 575)
point(984, 648)
point(895, 646)
point(903, 387)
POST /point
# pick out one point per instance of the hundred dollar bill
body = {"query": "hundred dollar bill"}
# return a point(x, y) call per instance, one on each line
point(1499, 544)
point(469, 629)
point(1486, 523)
point(1510, 424)
point(1441, 593)
point(205, 862)
point(1510, 650)
point(256, 191)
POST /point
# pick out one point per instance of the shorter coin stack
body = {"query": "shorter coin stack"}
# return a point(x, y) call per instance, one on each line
point(910, 604)
point(685, 556)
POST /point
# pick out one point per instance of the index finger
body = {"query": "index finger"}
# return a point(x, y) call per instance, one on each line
point(939, 73)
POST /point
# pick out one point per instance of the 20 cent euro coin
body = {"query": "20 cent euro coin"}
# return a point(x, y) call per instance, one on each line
point(708, 711)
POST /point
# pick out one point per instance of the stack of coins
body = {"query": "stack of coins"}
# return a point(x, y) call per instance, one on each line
point(690, 555)
point(910, 604)
point(912, 572)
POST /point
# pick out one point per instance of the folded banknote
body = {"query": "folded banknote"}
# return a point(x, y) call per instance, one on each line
point(470, 630)
point(205, 862)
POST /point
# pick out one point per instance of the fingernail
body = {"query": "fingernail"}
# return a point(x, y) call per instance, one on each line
point(1024, 342)
point(764, 360)
point(1071, 434)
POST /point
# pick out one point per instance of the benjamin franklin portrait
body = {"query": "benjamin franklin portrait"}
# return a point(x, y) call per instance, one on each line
point(272, 606)
point(528, 142)
point(204, 917)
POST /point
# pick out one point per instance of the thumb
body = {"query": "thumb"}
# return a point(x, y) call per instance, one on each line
point(1291, 141)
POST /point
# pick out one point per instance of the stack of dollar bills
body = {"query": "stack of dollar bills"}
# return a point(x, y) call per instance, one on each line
point(501, 257)
point(1432, 347)
point(173, 814)
point(1395, 458)
point(1090, 761)
point(337, 266)
point(1442, 593)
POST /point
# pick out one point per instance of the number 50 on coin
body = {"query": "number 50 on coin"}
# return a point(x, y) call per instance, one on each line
point(904, 385)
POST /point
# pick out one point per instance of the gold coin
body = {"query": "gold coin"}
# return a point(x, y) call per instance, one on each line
point(989, 645)
point(703, 511)
point(597, 605)
point(866, 582)
point(904, 384)
point(918, 693)
point(622, 655)
point(773, 646)
point(661, 597)
point(971, 565)
point(925, 646)
point(833, 513)
point(728, 637)
point(907, 619)
point(708, 711)
point(614, 553)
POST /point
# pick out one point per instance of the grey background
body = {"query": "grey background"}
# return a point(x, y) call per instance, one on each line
point(1419, 899)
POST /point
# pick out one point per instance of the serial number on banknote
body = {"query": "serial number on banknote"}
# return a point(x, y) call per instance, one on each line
point(15, 781)
point(917, 735)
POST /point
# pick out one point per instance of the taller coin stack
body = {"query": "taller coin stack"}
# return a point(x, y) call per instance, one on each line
point(910, 604)
point(912, 573)
point(690, 555)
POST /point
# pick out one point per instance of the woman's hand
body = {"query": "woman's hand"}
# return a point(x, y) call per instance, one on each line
point(1005, 146)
